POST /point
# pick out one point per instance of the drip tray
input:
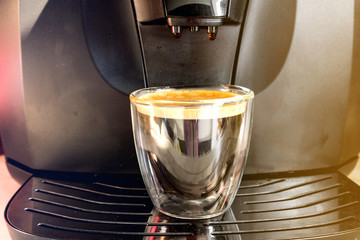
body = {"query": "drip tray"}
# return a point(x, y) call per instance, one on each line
point(318, 206)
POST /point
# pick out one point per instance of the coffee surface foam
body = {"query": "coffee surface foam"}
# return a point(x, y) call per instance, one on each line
point(191, 104)
point(187, 95)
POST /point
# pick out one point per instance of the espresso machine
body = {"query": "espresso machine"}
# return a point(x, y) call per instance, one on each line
point(67, 68)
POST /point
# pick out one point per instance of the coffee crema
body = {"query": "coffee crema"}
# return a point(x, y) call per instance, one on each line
point(191, 104)
point(187, 95)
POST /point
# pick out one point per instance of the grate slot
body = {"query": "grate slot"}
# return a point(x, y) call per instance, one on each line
point(286, 229)
point(106, 222)
point(92, 191)
point(88, 200)
point(285, 219)
point(143, 234)
point(294, 197)
point(119, 187)
point(283, 189)
point(270, 182)
point(86, 209)
point(297, 207)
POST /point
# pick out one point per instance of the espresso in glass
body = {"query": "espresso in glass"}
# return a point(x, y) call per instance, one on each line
point(192, 144)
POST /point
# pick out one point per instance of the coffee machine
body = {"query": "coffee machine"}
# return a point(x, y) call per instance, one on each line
point(68, 66)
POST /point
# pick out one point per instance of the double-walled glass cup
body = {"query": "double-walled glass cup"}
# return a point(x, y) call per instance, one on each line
point(192, 144)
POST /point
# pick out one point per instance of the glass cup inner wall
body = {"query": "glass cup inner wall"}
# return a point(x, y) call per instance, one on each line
point(192, 144)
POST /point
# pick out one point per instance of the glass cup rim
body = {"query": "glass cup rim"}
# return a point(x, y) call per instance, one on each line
point(243, 94)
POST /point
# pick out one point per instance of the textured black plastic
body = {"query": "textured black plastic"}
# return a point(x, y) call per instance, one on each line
point(315, 206)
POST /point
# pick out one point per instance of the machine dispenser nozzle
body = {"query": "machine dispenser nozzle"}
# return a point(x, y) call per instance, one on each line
point(212, 31)
point(176, 31)
point(194, 28)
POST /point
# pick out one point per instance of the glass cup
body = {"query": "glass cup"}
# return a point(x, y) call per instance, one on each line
point(192, 145)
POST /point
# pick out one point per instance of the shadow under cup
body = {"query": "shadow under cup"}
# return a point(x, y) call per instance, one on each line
point(192, 144)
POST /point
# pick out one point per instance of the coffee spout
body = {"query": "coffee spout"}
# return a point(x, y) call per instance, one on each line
point(212, 32)
point(176, 31)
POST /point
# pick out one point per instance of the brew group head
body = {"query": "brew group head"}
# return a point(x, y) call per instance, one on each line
point(192, 15)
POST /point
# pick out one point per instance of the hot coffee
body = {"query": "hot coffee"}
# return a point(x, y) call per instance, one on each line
point(192, 144)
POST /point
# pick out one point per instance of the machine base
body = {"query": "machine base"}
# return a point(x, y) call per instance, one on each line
point(318, 205)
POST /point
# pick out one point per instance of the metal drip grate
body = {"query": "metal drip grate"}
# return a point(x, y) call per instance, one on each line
point(319, 206)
